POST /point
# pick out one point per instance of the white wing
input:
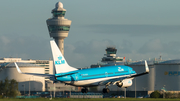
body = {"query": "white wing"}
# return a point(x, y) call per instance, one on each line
point(115, 80)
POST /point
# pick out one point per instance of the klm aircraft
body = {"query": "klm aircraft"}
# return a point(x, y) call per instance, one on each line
point(117, 75)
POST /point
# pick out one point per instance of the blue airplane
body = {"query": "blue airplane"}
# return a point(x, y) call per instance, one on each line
point(117, 75)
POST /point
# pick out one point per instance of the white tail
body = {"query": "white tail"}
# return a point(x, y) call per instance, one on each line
point(60, 63)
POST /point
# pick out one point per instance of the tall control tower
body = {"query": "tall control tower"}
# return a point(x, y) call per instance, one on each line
point(59, 26)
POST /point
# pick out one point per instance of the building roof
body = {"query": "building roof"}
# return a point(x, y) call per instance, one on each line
point(141, 63)
point(175, 61)
point(11, 64)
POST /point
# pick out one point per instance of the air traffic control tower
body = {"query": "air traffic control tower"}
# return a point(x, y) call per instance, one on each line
point(58, 26)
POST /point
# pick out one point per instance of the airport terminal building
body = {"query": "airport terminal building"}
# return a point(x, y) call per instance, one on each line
point(30, 83)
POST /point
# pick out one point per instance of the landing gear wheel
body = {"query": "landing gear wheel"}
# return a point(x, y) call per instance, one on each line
point(106, 90)
point(84, 90)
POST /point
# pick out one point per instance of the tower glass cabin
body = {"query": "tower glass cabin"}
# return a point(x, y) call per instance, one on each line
point(110, 56)
point(58, 13)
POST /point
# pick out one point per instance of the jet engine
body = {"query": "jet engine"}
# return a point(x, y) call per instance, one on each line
point(125, 83)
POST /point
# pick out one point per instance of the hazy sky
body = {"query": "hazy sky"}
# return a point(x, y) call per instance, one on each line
point(140, 29)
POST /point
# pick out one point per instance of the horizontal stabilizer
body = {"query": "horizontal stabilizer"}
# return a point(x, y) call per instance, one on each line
point(35, 74)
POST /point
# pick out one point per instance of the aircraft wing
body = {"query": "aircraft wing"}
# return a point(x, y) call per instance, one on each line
point(115, 80)
point(146, 71)
point(35, 74)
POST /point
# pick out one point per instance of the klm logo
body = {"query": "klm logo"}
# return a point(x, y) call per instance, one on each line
point(120, 69)
point(59, 61)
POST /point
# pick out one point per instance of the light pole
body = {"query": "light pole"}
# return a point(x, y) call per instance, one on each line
point(70, 92)
point(29, 86)
point(24, 88)
point(125, 92)
point(164, 91)
point(54, 90)
point(135, 86)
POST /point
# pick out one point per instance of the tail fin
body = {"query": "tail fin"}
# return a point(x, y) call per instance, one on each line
point(60, 63)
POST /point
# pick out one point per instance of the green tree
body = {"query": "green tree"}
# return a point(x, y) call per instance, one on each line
point(6, 87)
point(9, 88)
point(13, 88)
point(178, 95)
point(155, 94)
point(1, 89)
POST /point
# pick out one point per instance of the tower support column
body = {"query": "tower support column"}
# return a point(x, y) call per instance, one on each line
point(60, 44)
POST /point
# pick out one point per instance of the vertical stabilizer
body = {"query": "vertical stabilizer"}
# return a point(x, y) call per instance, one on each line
point(60, 63)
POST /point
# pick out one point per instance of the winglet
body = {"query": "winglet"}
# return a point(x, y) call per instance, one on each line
point(146, 72)
point(17, 68)
point(146, 67)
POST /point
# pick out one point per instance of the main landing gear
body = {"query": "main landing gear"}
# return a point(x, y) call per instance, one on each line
point(106, 90)
point(84, 90)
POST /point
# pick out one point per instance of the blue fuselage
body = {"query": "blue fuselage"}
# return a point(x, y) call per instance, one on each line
point(95, 75)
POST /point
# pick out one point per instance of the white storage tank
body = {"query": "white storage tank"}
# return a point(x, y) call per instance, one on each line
point(168, 75)
point(25, 82)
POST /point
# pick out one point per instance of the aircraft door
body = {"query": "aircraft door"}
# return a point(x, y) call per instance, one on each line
point(106, 74)
point(76, 77)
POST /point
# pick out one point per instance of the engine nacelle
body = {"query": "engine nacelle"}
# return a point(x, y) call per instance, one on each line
point(125, 83)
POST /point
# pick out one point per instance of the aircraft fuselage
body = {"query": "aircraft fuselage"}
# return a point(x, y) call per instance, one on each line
point(96, 76)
